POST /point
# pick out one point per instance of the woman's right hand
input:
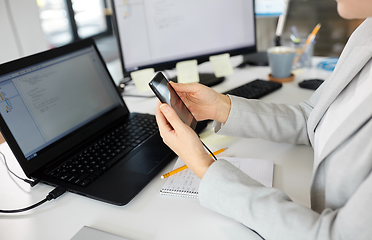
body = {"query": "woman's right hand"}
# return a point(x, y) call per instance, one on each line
point(203, 102)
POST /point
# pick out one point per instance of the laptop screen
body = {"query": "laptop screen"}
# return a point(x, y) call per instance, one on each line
point(45, 102)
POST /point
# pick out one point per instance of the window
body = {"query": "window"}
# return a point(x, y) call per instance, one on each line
point(335, 30)
point(65, 21)
point(89, 17)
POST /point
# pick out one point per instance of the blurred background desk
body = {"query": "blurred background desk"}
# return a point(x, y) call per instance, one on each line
point(150, 215)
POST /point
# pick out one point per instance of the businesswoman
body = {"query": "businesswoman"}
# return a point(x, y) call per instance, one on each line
point(335, 121)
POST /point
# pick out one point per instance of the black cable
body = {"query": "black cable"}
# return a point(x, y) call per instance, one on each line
point(256, 233)
point(125, 82)
point(209, 150)
point(128, 95)
point(57, 192)
point(31, 182)
point(24, 209)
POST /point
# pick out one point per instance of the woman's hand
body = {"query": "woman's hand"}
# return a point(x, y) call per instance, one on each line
point(203, 102)
point(182, 140)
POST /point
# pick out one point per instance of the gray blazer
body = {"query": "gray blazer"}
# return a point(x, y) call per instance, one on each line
point(341, 190)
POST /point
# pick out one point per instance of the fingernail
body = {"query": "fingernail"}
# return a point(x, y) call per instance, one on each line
point(164, 107)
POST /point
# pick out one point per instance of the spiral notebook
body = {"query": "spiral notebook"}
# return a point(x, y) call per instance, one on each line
point(186, 183)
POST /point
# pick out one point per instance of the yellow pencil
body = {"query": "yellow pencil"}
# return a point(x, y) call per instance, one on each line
point(309, 40)
point(218, 151)
point(174, 171)
point(185, 166)
point(313, 34)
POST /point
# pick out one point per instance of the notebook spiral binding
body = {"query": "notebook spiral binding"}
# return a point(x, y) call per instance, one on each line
point(178, 193)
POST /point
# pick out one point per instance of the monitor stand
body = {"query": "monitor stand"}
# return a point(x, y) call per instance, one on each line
point(208, 79)
point(255, 59)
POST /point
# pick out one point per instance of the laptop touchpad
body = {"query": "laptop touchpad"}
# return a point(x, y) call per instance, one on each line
point(147, 159)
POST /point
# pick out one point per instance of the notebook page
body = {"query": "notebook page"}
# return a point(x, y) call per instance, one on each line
point(181, 183)
point(186, 183)
point(260, 170)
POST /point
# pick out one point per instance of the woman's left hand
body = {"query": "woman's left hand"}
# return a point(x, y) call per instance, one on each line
point(182, 140)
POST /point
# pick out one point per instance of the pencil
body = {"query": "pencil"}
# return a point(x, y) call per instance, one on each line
point(313, 34)
point(309, 40)
point(174, 171)
point(185, 166)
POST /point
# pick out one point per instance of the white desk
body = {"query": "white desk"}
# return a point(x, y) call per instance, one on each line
point(150, 215)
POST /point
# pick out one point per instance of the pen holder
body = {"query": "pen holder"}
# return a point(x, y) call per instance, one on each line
point(304, 54)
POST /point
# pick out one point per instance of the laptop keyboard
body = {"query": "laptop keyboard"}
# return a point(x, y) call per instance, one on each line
point(91, 163)
point(255, 89)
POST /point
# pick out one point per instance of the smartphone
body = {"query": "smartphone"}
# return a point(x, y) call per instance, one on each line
point(164, 91)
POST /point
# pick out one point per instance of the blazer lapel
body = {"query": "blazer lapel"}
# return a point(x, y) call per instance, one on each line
point(357, 52)
point(347, 70)
point(344, 73)
point(351, 125)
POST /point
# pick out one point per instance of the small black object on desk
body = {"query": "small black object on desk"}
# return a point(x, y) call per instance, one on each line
point(311, 83)
point(255, 59)
point(207, 79)
point(255, 89)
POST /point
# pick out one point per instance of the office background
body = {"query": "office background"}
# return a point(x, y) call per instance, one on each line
point(36, 25)
point(26, 36)
point(31, 26)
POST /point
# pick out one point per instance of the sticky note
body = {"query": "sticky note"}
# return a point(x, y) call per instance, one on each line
point(141, 78)
point(187, 71)
point(221, 65)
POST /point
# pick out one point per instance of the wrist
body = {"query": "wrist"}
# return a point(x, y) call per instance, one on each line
point(223, 109)
point(203, 166)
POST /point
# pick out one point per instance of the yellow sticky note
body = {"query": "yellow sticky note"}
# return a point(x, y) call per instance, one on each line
point(221, 65)
point(187, 71)
point(141, 78)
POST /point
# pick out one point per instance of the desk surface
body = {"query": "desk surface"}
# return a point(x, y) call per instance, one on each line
point(150, 215)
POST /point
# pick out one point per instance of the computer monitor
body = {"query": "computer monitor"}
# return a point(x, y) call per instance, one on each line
point(270, 8)
point(159, 33)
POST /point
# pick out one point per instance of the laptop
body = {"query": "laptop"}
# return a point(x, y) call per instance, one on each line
point(95, 234)
point(67, 125)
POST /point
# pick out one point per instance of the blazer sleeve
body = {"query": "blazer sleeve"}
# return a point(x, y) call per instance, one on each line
point(270, 121)
point(271, 213)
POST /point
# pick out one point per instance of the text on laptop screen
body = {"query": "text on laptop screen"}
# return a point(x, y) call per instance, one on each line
point(47, 101)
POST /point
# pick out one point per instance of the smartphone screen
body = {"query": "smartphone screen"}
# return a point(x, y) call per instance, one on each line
point(166, 94)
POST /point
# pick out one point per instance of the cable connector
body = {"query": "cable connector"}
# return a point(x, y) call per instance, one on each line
point(29, 181)
point(57, 192)
point(32, 183)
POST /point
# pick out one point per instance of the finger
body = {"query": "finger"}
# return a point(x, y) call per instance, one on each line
point(157, 110)
point(162, 122)
point(172, 117)
point(188, 92)
point(185, 87)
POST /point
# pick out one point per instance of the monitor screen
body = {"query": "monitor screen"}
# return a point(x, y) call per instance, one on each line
point(270, 8)
point(160, 33)
point(44, 102)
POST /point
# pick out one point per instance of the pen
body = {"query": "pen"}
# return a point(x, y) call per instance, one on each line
point(185, 166)
point(295, 36)
point(294, 31)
